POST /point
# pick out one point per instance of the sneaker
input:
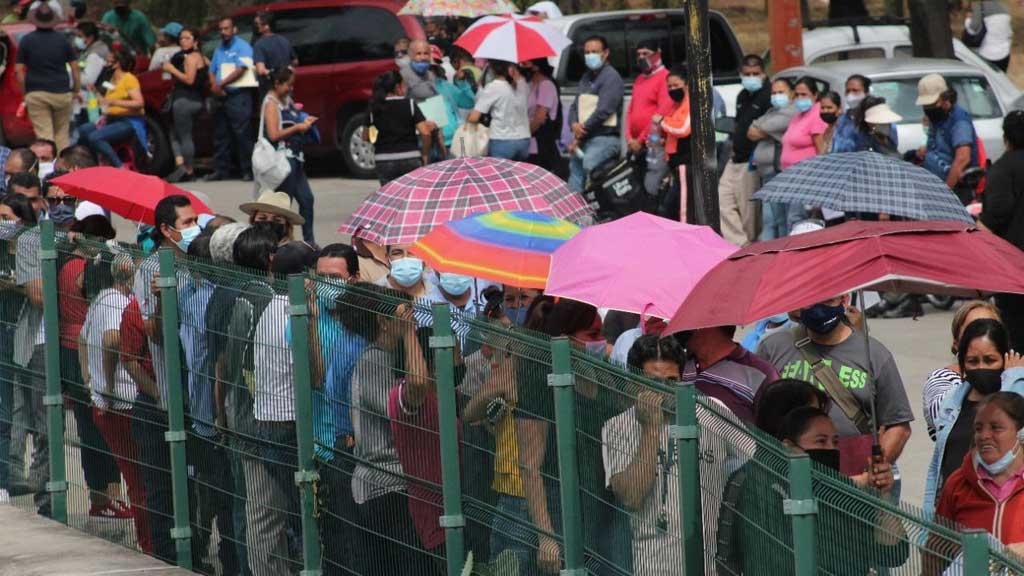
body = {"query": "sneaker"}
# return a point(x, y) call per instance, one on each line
point(106, 512)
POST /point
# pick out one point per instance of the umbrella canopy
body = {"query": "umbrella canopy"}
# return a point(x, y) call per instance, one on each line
point(513, 248)
point(128, 194)
point(769, 278)
point(513, 38)
point(641, 263)
point(463, 8)
point(866, 182)
point(409, 207)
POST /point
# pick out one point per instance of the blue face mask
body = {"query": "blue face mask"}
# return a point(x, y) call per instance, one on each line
point(593, 60)
point(517, 316)
point(62, 214)
point(187, 236)
point(455, 284)
point(822, 318)
point(420, 67)
point(752, 83)
point(407, 271)
point(596, 348)
point(803, 104)
point(780, 100)
point(1004, 462)
point(79, 43)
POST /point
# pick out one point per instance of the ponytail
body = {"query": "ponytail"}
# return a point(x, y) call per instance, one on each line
point(384, 85)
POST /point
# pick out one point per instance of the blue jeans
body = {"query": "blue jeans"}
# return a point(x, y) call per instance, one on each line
point(596, 151)
point(518, 149)
point(100, 139)
point(773, 220)
point(297, 187)
point(513, 531)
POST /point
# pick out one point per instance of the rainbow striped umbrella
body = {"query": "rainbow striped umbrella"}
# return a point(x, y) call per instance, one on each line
point(511, 247)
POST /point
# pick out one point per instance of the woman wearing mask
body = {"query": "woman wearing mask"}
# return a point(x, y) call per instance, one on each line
point(676, 127)
point(876, 127)
point(395, 123)
point(986, 492)
point(124, 116)
point(988, 366)
point(544, 108)
point(286, 126)
point(805, 136)
point(188, 69)
point(768, 131)
point(458, 96)
point(830, 105)
point(506, 99)
point(845, 137)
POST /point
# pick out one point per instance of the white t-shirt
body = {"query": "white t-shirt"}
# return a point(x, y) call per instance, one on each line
point(507, 107)
point(274, 399)
point(104, 315)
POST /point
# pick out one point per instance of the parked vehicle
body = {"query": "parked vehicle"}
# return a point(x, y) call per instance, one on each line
point(896, 81)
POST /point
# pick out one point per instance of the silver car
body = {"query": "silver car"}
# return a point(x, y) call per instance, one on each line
point(896, 81)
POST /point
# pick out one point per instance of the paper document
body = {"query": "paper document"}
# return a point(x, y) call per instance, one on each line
point(433, 109)
point(246, 80)
point(587, 106)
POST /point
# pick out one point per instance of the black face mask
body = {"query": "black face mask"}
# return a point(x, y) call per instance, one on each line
point(825, 457)
point(936, 115)
point(279, 229)
point(985, 380)
point(527, 73)
point(677, 94)
point(829, 117)
point(643, 65)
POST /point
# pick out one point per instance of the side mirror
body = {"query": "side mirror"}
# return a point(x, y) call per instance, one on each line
point(725, 124)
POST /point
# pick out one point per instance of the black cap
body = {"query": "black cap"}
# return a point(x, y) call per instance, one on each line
point(293, 258)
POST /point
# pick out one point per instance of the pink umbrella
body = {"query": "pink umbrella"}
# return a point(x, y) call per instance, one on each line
point(513, 38)
point(641, 263)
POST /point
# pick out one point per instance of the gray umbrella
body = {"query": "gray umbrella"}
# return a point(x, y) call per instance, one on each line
point(866, 182)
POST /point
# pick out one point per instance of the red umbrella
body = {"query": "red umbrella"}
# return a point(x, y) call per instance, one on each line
point(769, 278)
point(128, 194)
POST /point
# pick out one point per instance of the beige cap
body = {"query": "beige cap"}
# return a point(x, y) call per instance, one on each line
point(930, 88)
point(881, 114)
point(271, 202)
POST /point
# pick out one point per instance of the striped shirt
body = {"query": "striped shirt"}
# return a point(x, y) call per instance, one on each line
point(378, 471)
point(200, 370)
point(734, 380)
point(939, 384)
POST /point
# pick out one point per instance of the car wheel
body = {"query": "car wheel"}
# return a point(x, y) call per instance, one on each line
point(356, 152)
point(158, 150)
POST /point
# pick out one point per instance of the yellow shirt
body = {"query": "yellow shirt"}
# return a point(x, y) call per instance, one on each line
point(507, 478)
point(120, 91)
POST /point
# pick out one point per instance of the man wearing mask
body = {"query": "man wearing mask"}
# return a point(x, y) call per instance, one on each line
point(650, 95)
point(92, 55)
point(419, 80)
point(739, 216)
point(131, 24)
point(827, 350)
point(230, 72)
point(594, 115)
point(61, 207)
point(407, 276)
point(952, 142)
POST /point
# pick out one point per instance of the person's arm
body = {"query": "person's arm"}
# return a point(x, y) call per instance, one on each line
point(755, 134)
point(819, 143)
point(134, 101)
point(893, 438)
point(76, 79)
point(960, 162)
point(539, 118)
point(272, 121)
point(999, 200)
point(500, 383)
point(426, 131)
point(83, 357)
point(259, 59)
point(532, 436)
point(34, 292)
point(417, 379)
point(632, 485)
point(143, 381)
point(111, 355)
point(19, 73)
point(214, 87)
point(609, 101)
point(316, 354)
point(192, 65)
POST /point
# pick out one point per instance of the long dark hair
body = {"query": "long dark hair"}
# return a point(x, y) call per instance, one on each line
point(503, 69)
point(861, 111)
point(384, 85)
point(994, 330)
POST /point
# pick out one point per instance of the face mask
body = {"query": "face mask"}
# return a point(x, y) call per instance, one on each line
point(62, 214)
point(752, 83)
point(825, 457)
point(420, 68)
point(526, 72)
point(999, 466)
point(455, 284)
point(822, 318)
point(596, 347)
point(936, 115)
point(278, 229)
point(517, 316)
point(854, 100)
point(829, 117)
point(407, 271)
point(328, 291)
point(187, 236)
point(780, 100)
point(677, 94)
point(8, 229)
point(804, 104)
point(985, 380)
point(593, 60)
point(123, 11)
point(79, 43)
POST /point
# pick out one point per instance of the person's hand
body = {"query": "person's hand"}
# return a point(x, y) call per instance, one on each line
point(634, 145)
point(880, 476)
point(404, 317)
point(549, 555)
point(431, 125)
point(573, 146)
point(168, 67)
point(578, 131)
point(855, 316)
point(217, 89)
point(648, 409)
point(77, 97)
point(657, 118)
point(1012, 359)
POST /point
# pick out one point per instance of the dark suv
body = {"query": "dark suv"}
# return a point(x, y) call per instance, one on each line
point(342, 46)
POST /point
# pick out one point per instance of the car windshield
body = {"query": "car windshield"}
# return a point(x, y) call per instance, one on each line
point(973, 94)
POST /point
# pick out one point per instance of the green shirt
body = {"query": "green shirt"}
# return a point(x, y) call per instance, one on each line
point(136, 29)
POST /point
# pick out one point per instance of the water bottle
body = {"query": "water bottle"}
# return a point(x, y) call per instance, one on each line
point(92, 107)
point(657, 166)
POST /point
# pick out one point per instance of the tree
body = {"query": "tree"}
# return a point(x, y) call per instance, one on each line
point(930, 32)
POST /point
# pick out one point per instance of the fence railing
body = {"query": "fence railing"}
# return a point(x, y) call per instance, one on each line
point(234, 423)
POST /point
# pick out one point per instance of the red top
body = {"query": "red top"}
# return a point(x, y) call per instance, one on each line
point(134, 346)
point(72, 303)
point(650, 97)
point(965, 501)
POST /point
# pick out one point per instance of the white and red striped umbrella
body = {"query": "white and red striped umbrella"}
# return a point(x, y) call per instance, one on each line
point(513, 38)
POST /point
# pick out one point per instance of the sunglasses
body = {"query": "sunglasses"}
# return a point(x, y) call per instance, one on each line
point(66, 200)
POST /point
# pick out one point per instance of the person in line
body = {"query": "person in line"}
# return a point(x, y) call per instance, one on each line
point(988, 366)
point(544, 107)
point(830, 106)
point(722, 369)
point(233, 139)
point(650, 95)
point(287, 126)
point(44, 57)
point(675, 125)
point(767, 131)
point(420, 82)
point(401, 136)
point(594, 114)
point(131, 24)
point(876, 126)
point(124, 110)
point(805, 136)
point(1003, 214)
point(846, 137)
point(271, 52)
point(92, 57)
point(985, 492)
point(406, 273)
point(459, 96)
point(944, 381)
point(274, 211)
point(952, 144)
point(772, 403)
point(990, 20)
point(187, 68)
point(167, 46)
point(16, 162)
point(505, 98)
point(737, 184)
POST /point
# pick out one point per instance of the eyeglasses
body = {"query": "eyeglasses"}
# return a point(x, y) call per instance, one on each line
point(66, 200)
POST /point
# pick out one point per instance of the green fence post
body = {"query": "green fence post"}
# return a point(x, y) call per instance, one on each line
point(686, 433)
point(443, 344)
point(306, 476)
point(57, 486)
point(175, 435)
point(976, 550)
point(563, 382)
point(802, 508)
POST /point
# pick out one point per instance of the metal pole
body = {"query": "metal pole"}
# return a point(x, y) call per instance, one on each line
point(686, 433)
point(802, 508)
point(443, 344)
point(704, 164)
point(306, 476)
point(976, 549)
point(561, 379)
point(175, 435)
point(57, 485)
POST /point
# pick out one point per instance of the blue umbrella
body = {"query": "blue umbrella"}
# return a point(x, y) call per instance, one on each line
point(866, 182)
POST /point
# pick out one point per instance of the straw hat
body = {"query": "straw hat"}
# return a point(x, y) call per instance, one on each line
point(271, 202)
point(881, 114)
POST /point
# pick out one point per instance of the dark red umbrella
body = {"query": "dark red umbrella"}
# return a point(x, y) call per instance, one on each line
point(769, 278)
point(128, 194)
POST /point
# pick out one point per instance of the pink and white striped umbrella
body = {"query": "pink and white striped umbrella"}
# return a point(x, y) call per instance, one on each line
point(513, 38)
